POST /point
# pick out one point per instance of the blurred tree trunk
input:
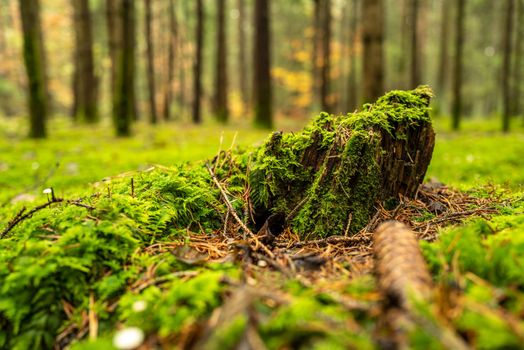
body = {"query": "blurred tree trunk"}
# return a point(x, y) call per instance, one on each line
point(343, 65)
point(76, 70)
point(373, 41)
point(262, 65)
point(316, 51)
point(197, 78)
point(242, 54)
point(2, 32)
point(415, 76)
point(352, 98)
point(35, 66)
point(506, 65)
point(150, 52)
point(85, 82)
point(457, 71)
point(402, 79)
point(173, 39)
point(221, 81)
point(517, 104)
point(124, 98)
point(444, 55)
point(326, 55)
point(113, 22)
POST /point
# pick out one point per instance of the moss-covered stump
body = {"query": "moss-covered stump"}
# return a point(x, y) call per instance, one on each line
point(328, 178)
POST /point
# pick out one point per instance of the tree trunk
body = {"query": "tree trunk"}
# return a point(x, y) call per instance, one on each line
point(173, 39)
point(113, 22)
point(242, 55)
point(402, 58)
point(338, 168)
point(221, 81)
point(85, 89)
point(315, 55)
point(262, 65)
point(506, 65)
point(415, 79)
point(182, 92)
point(197, 75)
point(457, 71)
point(124, 100)
point(517, 104)
point(326, 55)
point(148, 18)
point(76, 73)
point(443, 60)
point(35, 66)
point(373, 40)
point(352, 100)
point(2, 33)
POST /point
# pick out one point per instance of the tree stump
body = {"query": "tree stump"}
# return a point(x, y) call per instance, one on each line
point(328, 178)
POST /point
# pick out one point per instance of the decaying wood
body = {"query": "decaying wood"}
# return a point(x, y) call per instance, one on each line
point(400, 267)
point(405, 284)
point(327, 179)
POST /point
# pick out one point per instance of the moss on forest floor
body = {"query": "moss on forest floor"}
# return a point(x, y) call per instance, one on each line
point(157, 249)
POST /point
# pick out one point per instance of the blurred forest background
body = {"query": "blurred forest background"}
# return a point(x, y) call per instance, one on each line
point(254, 61)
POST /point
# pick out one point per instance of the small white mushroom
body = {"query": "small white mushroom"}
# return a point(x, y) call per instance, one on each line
point(139, 305)
point(128, 338)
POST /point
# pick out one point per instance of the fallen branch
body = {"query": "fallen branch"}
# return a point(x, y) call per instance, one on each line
point(22, 214)
point(405, 284)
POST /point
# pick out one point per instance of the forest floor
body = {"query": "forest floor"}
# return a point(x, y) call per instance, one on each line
point(192, 291)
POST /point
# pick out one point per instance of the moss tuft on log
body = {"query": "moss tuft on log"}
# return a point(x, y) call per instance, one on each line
point(328, 178)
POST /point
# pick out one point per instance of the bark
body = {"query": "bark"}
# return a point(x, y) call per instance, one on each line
point(221, 79)
point(339, 168)
point(124, 100)
point(457, 69)
point(197, 71)
point(517, 104)
point(150, 52)
point(352, 99)
point(35, 66)
point(183, 93)
point(2, 32)
point(316, 48)
point(262, 65)
point(400, 267)
point(444, 55)
point(326, 56)
point(373, 41)
point(242, 63)
point(506, 65)
point(75, 78)
point(415, 78)
point(343, 51)
point(171, 55)
point(85, 81)
point(402, 58)
point(405, 283)
point(113, 22)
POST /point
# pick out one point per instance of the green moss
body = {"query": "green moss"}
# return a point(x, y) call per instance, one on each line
point(330, 168)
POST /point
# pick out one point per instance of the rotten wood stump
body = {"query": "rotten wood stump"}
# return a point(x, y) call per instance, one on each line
point(327, 179)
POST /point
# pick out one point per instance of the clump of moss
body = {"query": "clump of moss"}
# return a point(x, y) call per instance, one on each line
point(330, 174)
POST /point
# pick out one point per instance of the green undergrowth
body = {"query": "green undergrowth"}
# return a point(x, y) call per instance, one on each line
point(67, 260)
point(479, 271)
point(64, 253)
